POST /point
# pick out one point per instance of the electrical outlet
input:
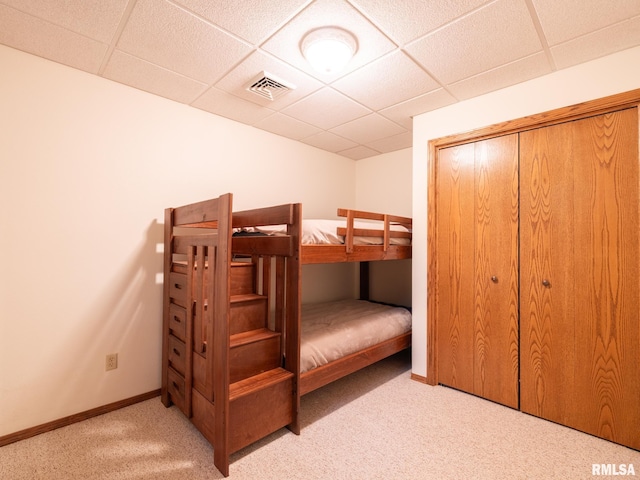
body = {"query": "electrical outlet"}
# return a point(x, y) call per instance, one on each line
point(111, 362)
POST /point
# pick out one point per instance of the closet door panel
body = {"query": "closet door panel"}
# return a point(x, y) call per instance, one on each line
point(547, 262)
point(496, 270)
point(478, 268)
point(455, 268)
point(580, 333)
point(607, 297)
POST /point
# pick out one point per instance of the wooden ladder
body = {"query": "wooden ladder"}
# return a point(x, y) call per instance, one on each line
point(259, 399)
point(225, 363)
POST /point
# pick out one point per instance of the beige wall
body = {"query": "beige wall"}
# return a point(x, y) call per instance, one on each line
point(383, 184)
point(87, 167)
point(606, 76)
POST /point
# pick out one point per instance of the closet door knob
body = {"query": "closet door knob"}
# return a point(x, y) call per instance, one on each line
point(546, 283)
point(494, 279)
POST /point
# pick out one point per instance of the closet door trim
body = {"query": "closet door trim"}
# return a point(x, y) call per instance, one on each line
point(552, 117)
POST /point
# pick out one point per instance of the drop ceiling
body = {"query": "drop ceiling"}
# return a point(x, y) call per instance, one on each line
point(413, 55)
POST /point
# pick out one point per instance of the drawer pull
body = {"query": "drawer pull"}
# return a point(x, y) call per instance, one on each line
point(176, 352)
point(178, 286)
point(176, 386)
point(176, 319)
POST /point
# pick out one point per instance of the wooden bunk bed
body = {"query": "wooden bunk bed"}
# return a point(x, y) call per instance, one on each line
point(232, 314)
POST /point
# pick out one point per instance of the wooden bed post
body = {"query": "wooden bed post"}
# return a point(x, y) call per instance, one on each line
point(168, 248)
point(294, 313)
point(364, 280)
point(219, 291)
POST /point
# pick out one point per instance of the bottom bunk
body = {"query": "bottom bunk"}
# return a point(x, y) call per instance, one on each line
point(341, 337)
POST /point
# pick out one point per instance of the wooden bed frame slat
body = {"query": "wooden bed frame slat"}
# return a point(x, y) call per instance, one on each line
point(182, 243)
point(277, 215)
point(279, 246)
point(196, 213)
point(314, 254)
point(323, 375)
point(362, 232)
point(406, 221)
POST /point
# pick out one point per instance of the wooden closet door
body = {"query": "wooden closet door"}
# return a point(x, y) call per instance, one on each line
point(456, 261)
point(580, 333)
point(478, 268)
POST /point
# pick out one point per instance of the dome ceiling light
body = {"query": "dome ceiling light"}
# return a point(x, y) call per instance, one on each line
point(329, 49)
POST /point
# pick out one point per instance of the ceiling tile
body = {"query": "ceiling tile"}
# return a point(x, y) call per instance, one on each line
point(413, 56)
point(359, 152)
point(285, 44)
point(254, 21)
point(396, 79)
point(367, 129)
point(603, 42)
point(403, 113)
point(501, 77)
point(393, 143)
point(499, 33)
point(132, 71)
point(229, 106)
point(329, 141)
point(326, 109)
point(413, 18)
point(568, 19)
point(38, 37)
point(286, 126)
point(96, 19)
point(237, 81)
point(161, 33)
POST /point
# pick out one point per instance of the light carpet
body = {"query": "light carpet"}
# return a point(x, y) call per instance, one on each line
point(374, 424)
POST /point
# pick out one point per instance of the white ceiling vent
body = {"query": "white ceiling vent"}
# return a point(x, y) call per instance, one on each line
point(269, 86)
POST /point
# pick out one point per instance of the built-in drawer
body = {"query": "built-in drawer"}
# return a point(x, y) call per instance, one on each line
point(176, 388)
point(178, 288)
point(178, 321)
point(177, 354)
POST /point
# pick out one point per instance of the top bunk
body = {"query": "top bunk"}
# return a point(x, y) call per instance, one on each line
point(356, 236)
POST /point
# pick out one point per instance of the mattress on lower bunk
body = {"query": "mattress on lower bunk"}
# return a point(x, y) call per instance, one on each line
point(336, 329)
point(324, 232)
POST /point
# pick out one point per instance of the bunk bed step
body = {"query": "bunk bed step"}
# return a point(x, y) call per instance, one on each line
point(258, 406)
point(253, 352)
point(258, 382)
point(248, 312)
point(252, 336)
point(245, 298)
point(242, 278)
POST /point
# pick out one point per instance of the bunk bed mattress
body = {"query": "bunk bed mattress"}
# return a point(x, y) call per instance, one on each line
point(333, 330)
point(324, 232)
